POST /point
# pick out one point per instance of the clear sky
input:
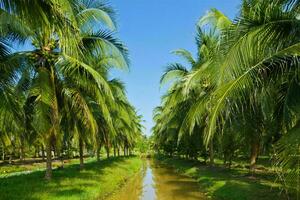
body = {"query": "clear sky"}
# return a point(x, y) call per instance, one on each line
point(151, 29)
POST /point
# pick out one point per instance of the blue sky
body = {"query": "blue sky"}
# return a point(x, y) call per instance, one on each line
point(151, 29)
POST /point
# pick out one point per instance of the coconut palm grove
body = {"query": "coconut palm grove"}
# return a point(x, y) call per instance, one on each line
point(226, 125)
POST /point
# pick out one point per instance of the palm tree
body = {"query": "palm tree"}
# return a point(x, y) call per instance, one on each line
point(61, 39)
point(249, 69)
point(191, 86)
point(252, 78)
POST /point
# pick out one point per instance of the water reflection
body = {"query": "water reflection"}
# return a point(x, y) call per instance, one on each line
point(157, 182)
point(148, 184)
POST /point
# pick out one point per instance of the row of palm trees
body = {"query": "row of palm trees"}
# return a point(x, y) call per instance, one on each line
point(57, 91)
point(241, 94)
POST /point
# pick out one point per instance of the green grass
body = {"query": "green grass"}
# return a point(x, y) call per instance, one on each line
point(229, 184)
point(96, 181)
point(35, 165)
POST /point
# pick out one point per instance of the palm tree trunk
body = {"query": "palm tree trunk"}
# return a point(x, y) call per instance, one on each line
point(54, 153)
point(43, 153)
point(48, 174)
point(22, 157)
point(61, 158)
point(10, 158)
point(118, 151)
point(98, 153)
point(107, 152)
point(225, 159)
point(69, 152)
point(54, 122)
point(22, 152)
point(254, 153)
point(81, 153)
point(124, 150)
point(37, 151)
point(115, 152)
point(211, 153)
point(3, 153)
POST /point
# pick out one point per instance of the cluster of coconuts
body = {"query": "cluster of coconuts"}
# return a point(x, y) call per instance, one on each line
point(44, 52)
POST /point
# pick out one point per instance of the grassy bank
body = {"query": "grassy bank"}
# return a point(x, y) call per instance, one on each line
point(96, 181)
point(34, 165)
point(228, 184)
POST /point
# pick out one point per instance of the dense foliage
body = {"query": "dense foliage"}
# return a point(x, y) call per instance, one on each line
point(240, 95)
point(57, 96)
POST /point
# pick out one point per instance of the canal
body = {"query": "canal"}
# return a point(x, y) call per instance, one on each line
point(159, 182)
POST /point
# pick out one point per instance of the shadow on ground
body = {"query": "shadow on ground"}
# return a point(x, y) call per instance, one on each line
point(230, 184)
point(67, 183)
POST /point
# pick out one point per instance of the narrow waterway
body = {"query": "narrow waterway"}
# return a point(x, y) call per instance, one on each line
point(158, 182)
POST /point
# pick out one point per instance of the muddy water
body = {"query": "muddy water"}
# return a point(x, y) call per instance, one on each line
point(158, 182)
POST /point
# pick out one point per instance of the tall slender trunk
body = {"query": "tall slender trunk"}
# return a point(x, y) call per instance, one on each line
point(22, 152)
point(60, 155)
point(54, 122)
point(62, 161)
point(98, 153)
point(3, 153)
point(124, 150)
point(69, 152)
point(43, 153)
point(48, 174)
point(225, 158)
point(211, 153)
point(211, 144)
point(107, 151)
point(81, 153)
point(10, 158)
point(54, 153)
point(118, 151)
point(37, 151)
point(254, 153)
point(115, 152)
point(22, 157)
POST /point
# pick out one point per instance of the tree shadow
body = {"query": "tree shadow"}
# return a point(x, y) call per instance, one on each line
point(69, 192)
point(236, 185)
point(68, 181)
point(231, 183)
point(246, 191)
